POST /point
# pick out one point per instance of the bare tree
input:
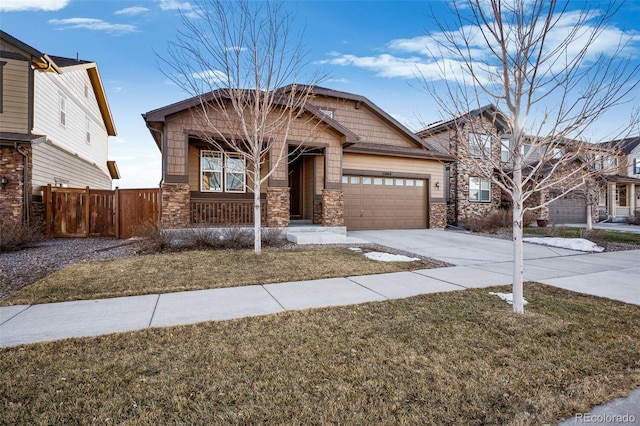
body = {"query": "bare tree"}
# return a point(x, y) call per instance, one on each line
point(537, 62)
point(237, 57)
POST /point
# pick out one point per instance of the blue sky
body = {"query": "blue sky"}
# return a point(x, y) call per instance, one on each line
point(370, 48)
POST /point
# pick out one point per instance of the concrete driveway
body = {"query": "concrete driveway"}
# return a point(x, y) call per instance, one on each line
point(615, 275)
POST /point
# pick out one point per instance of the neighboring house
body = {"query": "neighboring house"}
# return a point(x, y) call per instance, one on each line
point(479, 139)
point(469, 137)
point(619, 195)
point(54, 126)
point(361, 168)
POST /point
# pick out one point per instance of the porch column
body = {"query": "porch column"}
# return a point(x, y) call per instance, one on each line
point(612, 199)
point(332, 207)
point(631, 188)
point(176, 206)
point(278, 207)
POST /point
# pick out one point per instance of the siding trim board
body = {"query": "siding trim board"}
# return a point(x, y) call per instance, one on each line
point(378, 173)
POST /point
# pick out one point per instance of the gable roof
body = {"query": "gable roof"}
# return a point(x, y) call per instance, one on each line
point(40, 61)
point(59, 64)
point(440, 126)
point(626, 145)
point(161, 114)
point(323, 91)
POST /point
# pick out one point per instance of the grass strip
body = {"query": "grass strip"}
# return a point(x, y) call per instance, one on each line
point(448, 359)
point(198, 270)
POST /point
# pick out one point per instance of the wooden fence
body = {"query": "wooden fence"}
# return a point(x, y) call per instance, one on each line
point(77, 212)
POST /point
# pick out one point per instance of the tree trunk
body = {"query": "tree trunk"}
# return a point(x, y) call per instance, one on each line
point(589, 217)
point(518, 246)
point(257, 219)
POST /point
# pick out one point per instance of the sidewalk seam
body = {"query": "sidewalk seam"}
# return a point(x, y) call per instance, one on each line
point(16, 314)
point(364, 286)
point(273, 297)
point(440, 279)
point(153, 314)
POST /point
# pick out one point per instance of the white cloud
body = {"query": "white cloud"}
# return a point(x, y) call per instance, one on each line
point(93, 25)
point(134, 10)
point(22, 5)
point(184, 7)
point(211, 76)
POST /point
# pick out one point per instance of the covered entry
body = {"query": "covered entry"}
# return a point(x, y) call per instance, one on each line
point(385, 202)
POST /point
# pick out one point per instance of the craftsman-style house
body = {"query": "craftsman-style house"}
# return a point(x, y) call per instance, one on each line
point(361, 169)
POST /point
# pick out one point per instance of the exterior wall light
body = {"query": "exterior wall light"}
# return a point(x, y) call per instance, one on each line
point(4, 181)
point(438, 185)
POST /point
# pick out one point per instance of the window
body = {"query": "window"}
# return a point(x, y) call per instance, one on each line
point(235, 173)
point(409, 182)
point(377, 181)
point(556, 152)
point(636, 166)
point(479, 190)
point(399, 182)
point(88, 137)
point(355, 180)
point(366, 181)
point(345, 179)
point(479, 145)
point(505, 155)
point(388, 182)
point(220, 171)
point(63, 110)
point(211, 169)
point(327, 112)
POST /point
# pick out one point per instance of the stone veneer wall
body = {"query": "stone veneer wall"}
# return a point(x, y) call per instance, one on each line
point(176, 206)
point(317, 212)
point(438, 216)
point(12, 167)
point(332, 207)
point(278, 207)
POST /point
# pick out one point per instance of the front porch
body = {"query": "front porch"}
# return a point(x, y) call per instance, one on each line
point(619, 198)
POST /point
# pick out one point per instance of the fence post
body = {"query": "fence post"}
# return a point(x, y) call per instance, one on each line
point(116, 209)
point(87, 211)
point(48, 200)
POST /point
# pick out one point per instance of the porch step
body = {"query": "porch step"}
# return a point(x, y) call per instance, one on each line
point(316, 237)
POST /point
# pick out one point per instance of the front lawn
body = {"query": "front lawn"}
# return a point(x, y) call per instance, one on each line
point(457, 358)
point(598, 236)
point(197, 270)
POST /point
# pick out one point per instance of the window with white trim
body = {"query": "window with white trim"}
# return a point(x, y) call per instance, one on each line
point(88, 135)
point(479, 190)
point(636, 166)
point(327, 112)
point(505, 154)
point(222, 172)
point(63, 110)
point(479, 145)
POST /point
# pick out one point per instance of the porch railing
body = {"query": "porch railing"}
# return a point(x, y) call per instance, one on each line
point(225, 212)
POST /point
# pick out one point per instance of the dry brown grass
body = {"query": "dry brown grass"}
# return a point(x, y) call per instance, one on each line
point(460, 358)
point(197, 270)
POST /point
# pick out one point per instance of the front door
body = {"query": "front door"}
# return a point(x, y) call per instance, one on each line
point(295, 191)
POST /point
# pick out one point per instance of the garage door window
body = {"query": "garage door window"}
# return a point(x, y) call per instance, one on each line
point(355, 180)
point(399, 182)
point(419, 183)
point(366, 181)
point(479, 190)
point(377, 181)
point(409, 182)
point(388, 182)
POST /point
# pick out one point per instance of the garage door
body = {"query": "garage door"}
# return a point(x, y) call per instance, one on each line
point(571, 208)
point(384, 203)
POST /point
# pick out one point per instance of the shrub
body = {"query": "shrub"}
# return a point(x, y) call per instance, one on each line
point(205, 238)
point(235, 237)
point(497, 220)
point(16, 235)
point(155, 239)
point(273, 237)
point(635, 219)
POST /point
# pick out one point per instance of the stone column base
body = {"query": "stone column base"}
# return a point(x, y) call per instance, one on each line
point(332, 207)
point(278, 207)
point(176, 206)
point(437, 216)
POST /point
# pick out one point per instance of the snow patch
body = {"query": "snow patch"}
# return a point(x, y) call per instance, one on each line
point(355, 249)
point(579, 244)
point(507, 297)
point(387, 257)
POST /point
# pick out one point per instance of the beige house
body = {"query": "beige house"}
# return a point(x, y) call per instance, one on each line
point(360, 168)
point(619, 195)
point(54, 126)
